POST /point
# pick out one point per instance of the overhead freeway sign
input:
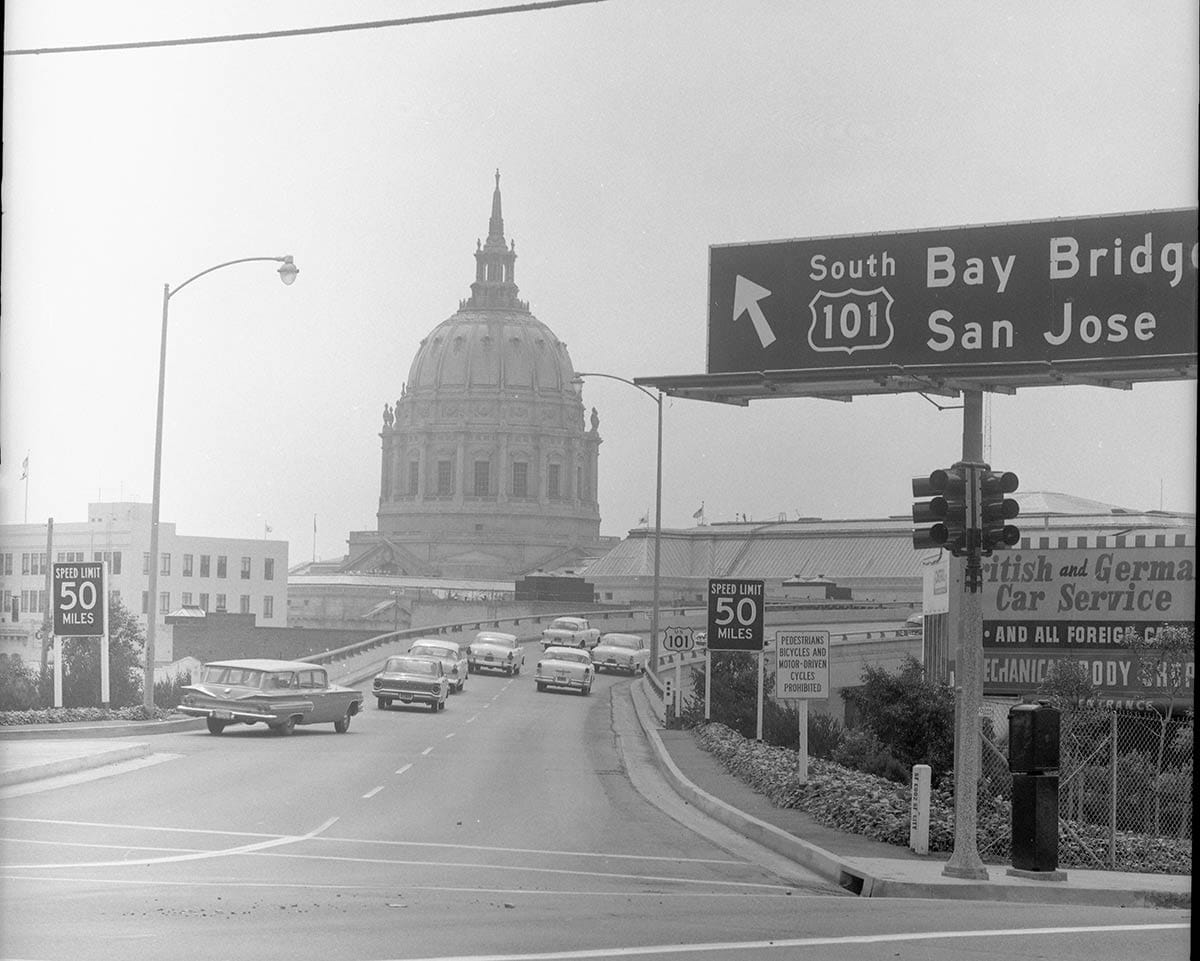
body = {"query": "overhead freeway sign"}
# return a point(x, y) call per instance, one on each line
point(1109, 299)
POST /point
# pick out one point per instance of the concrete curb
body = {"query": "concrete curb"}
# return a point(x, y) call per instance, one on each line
point(70, 765)
point(807, 855)
point(87, 732)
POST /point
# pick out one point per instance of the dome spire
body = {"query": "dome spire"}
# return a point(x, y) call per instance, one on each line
point(495, 265)
point(496, 224)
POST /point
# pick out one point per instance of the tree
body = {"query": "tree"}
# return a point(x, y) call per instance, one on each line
point(910, 715)
point(1164, 656)
point(1068, 685)
point(81, 662)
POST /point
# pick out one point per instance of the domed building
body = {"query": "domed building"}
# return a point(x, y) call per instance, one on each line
point(489, 458)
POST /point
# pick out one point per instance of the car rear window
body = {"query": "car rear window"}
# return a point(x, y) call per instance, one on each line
point(410, 665)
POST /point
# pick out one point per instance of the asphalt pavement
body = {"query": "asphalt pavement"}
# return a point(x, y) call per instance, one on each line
point(861, 865)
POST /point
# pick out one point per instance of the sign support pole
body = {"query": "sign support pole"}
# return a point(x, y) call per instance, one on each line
point(761, 670)
point(802, 747)
point(707, 684)
point(58, 670)
point(966, 620)
point(105, 695)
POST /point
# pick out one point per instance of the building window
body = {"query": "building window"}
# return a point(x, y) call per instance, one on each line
point(205, 565)
point(414, 477)
point(245, 568)
point(580, 492)
point(268, 606)
point(1081, 542)
point(220, 603)
point(1139, 540)
point(244, 604)
point(445, 477)
point(146, 563)
point(70, 557)
point(204, 603)
point(187, 565)
point(520, 479)
point(6, 564)
point(145, 602)
point(552, 481)
point(483, 477)
point(268, 568)
point(164, 564)
point(222, 565)
point(187, 599)
point(164, 602)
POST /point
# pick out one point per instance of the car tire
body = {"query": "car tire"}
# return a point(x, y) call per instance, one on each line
point(343, 725)
point(441, 705)
point(541, 686)
point(214, 726)
point(461, 685)
point(286, 728)
point(586, 690)
point(382, 703)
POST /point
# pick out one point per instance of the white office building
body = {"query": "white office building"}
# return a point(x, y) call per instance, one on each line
point(199, 573)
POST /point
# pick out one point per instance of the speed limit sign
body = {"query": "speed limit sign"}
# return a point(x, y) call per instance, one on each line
point(735, 615)
point(79, 599)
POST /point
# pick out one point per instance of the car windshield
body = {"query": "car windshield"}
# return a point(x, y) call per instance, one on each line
point(240, 676)
point(428, 650)
point(630, 642)
point(409, 665)
point(573, 656)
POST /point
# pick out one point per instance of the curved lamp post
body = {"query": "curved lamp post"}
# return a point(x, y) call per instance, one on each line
point(657, 398)
point(287, 273)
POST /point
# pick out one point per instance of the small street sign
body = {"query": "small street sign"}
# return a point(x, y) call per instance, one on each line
point(679, 639)
point(802, 665)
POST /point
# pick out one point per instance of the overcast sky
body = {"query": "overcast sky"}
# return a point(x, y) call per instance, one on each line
point(631, 135)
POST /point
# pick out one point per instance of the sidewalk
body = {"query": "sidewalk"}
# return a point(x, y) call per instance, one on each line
point(868, 867)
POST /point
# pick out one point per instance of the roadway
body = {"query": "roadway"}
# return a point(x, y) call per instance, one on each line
point(512, 824)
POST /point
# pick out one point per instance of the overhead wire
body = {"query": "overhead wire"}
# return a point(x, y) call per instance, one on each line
point(302, 31)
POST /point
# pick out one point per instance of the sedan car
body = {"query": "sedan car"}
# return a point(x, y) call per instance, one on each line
point(279, 694)
point(621, 652)
point(449, 653)
point(565, 667)
point(411, 679)
point(496, 651)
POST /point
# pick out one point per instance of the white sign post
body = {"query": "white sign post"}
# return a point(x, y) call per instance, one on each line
point(802, 674)
point(918, 815)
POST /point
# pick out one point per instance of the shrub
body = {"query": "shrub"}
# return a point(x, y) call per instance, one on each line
point(169, 691)
point(911, 716)
point(862, 751)
point(825, 734)
point(19, 686)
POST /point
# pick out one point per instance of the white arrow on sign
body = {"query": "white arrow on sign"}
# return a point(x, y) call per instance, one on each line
point(746, 295)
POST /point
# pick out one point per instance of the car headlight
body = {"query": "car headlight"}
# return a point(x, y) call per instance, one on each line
point(378, 682)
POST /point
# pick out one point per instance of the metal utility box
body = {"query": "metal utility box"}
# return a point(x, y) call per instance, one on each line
point(1033, 738)
point(1035, 822)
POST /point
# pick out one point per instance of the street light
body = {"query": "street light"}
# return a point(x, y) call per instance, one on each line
point(657, 398)
point(287, 273)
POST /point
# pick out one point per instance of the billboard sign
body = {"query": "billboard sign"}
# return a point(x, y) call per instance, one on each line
point(1095, 289)
point(1043, 606)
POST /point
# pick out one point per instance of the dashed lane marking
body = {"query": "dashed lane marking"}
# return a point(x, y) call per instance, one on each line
point(371, 793)
point(403, 769)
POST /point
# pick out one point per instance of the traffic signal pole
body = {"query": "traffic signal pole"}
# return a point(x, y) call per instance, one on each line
point(966, 624)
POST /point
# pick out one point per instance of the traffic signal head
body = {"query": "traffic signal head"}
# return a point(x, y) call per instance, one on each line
point(995, 509)
point(942, 519)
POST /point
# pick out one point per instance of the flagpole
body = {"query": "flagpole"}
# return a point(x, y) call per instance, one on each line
point(25, 478)
point(314, 538)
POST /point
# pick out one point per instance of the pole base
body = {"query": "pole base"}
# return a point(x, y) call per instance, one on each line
point(968, 872)
point(1038, 875)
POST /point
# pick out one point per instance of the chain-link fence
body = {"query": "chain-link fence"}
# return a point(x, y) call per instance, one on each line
point(1124, 792)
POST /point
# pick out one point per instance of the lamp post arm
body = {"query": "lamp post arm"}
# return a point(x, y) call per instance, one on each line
point(228, 263)
point(657, 400)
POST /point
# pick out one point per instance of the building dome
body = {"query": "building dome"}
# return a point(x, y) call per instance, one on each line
point(489, 465)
